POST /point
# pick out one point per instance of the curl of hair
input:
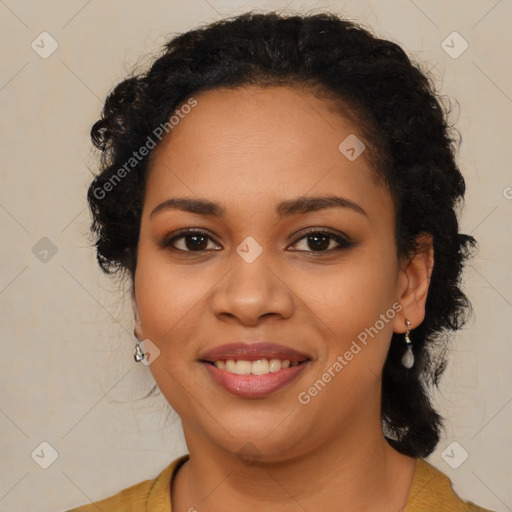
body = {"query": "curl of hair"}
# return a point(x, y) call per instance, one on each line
point(399, 115)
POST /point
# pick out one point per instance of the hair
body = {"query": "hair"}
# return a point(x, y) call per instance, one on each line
point(400, 116)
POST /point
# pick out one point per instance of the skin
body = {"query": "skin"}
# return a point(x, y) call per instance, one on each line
point(248, 149)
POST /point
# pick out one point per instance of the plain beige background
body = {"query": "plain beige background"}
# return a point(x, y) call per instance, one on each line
point(68, 377)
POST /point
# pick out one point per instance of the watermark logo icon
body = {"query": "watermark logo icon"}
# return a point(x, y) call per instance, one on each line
point(454, 455)
point(44, 45)
point(44, 455)
point(249, 249)
point(351, 147)
point(454, 45)
point(44, 250)
point(249, 454)
point(151, 352)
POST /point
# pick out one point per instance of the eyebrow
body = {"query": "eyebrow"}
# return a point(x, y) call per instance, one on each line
point(287, 208)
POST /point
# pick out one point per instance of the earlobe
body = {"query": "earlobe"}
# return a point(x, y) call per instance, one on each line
point(414, 283)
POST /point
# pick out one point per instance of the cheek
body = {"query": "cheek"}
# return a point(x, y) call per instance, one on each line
point(351, 296)
point(167, 295)
point(166, 302)
point(357, 307)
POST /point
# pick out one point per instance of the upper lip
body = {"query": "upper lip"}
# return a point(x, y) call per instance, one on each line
point(252, 352)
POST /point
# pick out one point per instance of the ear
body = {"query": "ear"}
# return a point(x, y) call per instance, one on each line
point(413, 283)
point(137, 331)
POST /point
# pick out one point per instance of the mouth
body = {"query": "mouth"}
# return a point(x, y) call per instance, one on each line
point(254, 370)
point(262, 366)
point(244, 355)
point(260, 384)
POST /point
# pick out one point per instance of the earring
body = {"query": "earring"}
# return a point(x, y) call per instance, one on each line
point(408, 357)
point(138, 353)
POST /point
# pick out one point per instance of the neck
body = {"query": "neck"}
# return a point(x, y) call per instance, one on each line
point(354, 473)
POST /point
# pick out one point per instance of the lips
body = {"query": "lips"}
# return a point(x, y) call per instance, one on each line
point(253, 352)
point(255, 386)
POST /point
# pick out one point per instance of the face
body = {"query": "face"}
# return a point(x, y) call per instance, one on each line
point(314, 279)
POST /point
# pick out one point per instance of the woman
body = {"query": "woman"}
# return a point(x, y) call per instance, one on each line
point(281, 193)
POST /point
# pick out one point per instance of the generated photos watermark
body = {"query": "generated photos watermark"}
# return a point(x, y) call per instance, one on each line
point(304, 397)
point(139, 155)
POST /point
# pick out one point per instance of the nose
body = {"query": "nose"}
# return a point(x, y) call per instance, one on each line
point(251, 290)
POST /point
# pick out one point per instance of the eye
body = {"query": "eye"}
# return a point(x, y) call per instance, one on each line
point(320, 241)
point(192, 240)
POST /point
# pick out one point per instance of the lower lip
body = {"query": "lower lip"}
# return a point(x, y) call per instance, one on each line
point(254, 386)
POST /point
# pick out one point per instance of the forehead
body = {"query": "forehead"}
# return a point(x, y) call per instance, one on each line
point(262, 144)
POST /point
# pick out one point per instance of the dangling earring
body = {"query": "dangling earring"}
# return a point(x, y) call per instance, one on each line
point(138, 353)
point(408, 357)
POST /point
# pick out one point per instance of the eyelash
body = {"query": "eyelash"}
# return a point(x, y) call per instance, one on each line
point(343, 241)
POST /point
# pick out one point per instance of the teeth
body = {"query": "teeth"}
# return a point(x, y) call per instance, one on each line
point(243, 367)
point(230, 366)
point(258, 367)
point(275, 365)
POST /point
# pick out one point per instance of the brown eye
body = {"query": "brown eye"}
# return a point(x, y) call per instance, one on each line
point(320, 241)
point(189, 241)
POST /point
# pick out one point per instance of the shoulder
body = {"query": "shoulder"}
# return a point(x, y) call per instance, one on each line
point(432, 490)
point(153, 494)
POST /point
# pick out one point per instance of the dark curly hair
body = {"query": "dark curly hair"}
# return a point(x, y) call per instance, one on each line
point(402, 119)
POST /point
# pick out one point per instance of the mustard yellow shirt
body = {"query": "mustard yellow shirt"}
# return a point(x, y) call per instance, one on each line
point(431, 491)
